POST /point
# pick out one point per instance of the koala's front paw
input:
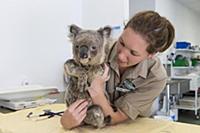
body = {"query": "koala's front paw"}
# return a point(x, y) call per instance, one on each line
point(95, 117)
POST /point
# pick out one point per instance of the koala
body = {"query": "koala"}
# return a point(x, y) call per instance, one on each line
point(90, 50)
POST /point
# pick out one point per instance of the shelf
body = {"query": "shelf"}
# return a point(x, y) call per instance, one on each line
point(189, 99)
point(29, 91)
point(182, 67)
point(187, 107)
point(181, 77)
point(187, 50)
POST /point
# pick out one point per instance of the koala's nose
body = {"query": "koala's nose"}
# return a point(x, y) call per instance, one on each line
point(83, 52)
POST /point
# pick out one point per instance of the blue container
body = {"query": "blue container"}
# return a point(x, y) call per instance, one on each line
point(183, 45)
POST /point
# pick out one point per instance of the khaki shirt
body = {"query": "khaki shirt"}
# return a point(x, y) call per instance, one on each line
point(149, 78)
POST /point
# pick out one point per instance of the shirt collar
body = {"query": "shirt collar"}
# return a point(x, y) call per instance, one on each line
point(112, 59)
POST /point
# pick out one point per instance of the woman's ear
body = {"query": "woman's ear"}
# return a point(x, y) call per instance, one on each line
point(151, 55)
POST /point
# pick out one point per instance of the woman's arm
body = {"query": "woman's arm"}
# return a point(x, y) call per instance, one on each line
point(96, 91)
point(100, 99)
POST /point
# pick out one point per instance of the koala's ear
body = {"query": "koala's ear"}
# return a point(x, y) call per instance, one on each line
point(74, 30)
point(106, 31)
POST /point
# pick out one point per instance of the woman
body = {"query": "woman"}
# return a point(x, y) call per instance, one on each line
point(135, 77)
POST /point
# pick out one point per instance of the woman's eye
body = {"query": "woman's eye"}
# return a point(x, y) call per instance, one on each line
point(133, 53)
point(122, 44)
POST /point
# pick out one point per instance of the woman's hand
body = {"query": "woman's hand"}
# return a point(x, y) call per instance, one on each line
point(75, 114)
point(98, 84)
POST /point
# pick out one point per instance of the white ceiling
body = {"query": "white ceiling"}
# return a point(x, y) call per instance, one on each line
point(192, 4)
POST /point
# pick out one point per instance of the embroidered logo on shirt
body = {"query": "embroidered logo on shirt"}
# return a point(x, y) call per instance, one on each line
point(126, 86)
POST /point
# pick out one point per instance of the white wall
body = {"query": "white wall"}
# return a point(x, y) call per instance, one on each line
point(33, 36)
point(185, 21)
point(140, 5)
point(33, 40)
point(97, 13)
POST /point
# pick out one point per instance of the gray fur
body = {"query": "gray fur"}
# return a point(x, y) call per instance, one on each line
point(90, 49)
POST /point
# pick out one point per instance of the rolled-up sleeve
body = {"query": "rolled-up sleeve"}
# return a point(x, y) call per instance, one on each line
point(139, 102)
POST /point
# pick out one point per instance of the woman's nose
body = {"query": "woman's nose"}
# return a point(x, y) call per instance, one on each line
point(122, 55)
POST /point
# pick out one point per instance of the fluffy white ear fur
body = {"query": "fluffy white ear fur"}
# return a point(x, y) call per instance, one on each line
point(73, 30)
point(105, 31)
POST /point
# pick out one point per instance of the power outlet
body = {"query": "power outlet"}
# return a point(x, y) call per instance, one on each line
point(25, 82)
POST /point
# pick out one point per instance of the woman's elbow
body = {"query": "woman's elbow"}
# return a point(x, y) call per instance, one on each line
point(118, 117)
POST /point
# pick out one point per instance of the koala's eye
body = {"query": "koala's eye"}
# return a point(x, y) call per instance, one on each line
point(93, 47)
point(76, 46)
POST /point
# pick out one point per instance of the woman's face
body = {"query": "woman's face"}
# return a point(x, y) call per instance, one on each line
point(131, 49)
